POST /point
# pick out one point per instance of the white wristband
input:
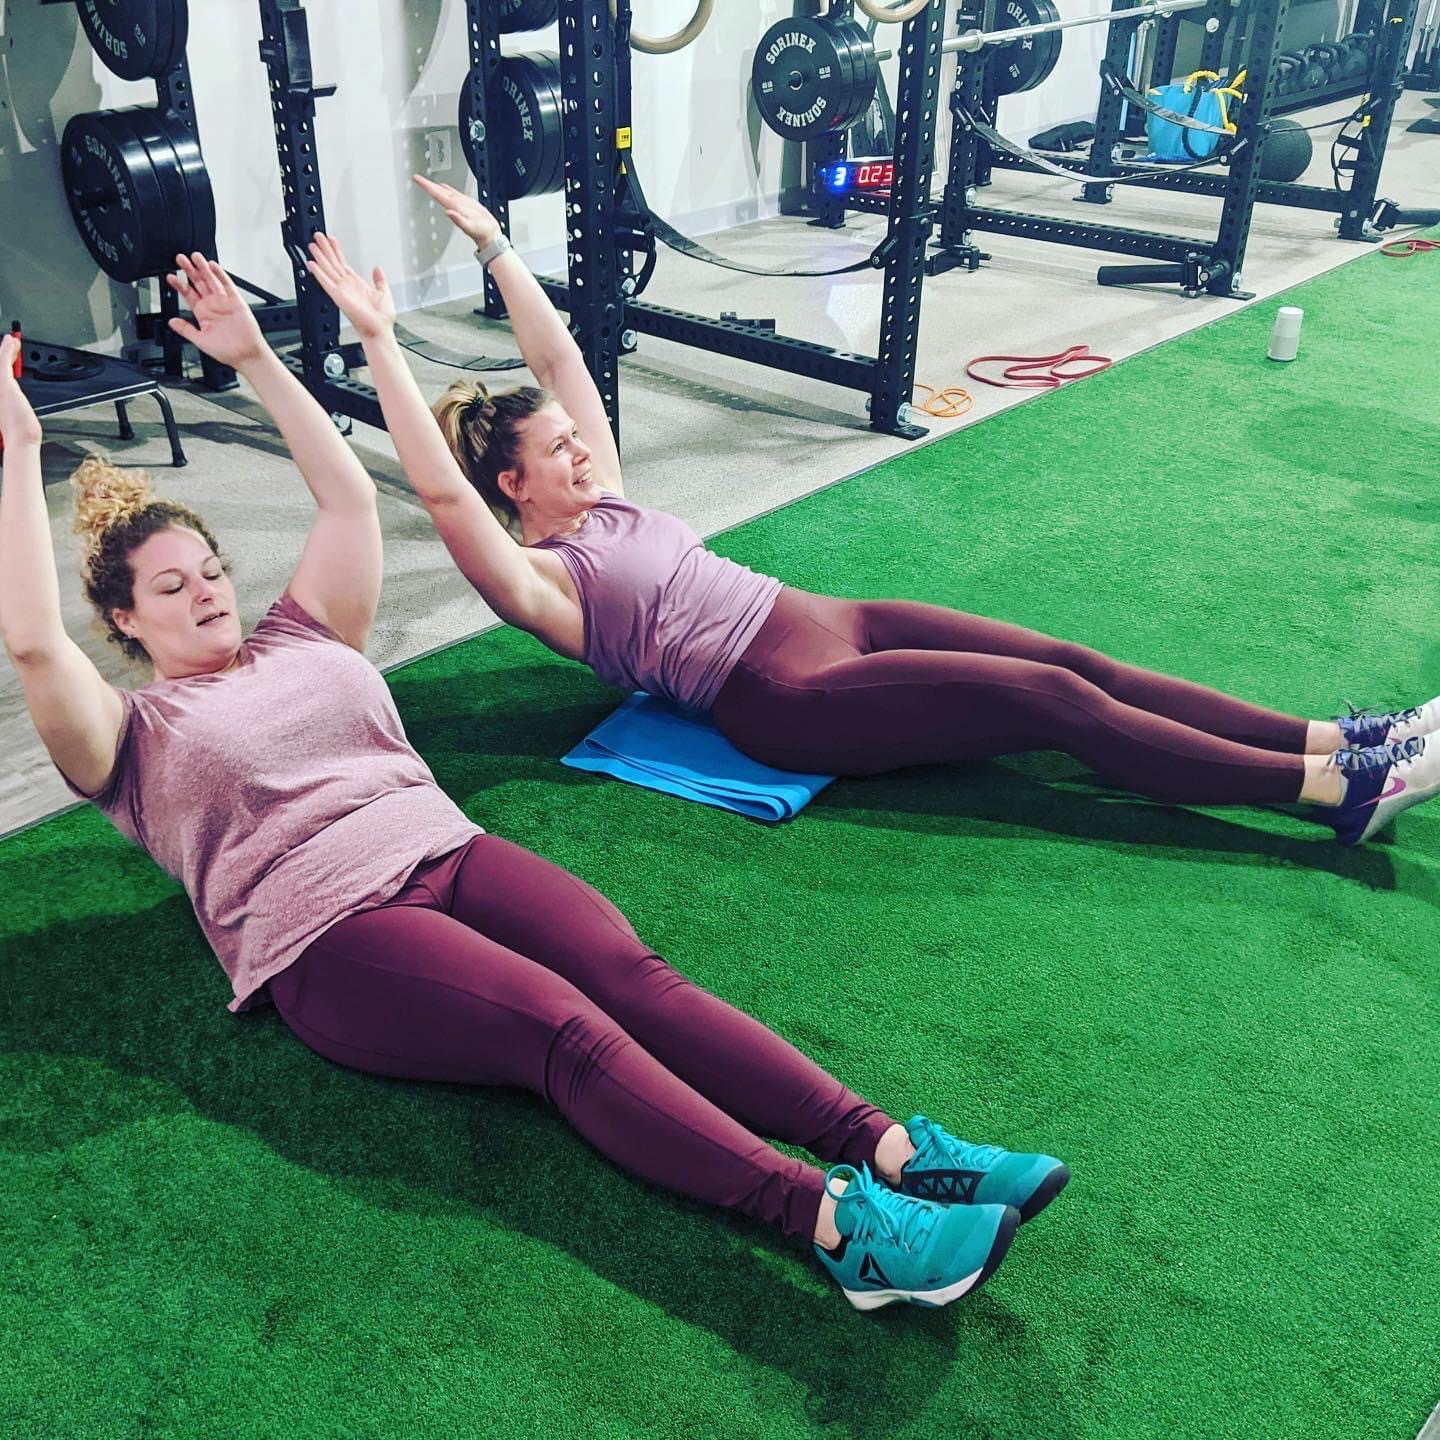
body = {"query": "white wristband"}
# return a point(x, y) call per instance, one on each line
point(498, 246)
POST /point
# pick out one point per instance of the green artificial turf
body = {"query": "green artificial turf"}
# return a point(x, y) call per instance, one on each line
point(1222, 1021)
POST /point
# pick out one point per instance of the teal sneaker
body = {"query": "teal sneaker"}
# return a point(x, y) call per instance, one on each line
point(954, 1172)
point(895, 1248)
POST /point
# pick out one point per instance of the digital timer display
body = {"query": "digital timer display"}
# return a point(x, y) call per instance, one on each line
point(847, 176)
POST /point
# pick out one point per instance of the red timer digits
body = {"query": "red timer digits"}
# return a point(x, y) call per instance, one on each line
point(877, 175)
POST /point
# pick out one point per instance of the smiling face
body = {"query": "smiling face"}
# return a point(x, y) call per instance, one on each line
point(553, 480)
point(184, 612)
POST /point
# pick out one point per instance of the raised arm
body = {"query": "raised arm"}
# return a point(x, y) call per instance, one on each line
point(76, 713)
point(340, 570)
point(484, 550)
point(546, 343)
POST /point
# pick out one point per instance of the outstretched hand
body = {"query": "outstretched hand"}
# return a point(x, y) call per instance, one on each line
point(367, 305)
point(18, 422)
point(225, 326)
point(464, 211)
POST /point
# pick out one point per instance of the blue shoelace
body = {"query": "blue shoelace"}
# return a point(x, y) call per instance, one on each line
point(883, 1214)
point(942, 1151)
point(1373, 757)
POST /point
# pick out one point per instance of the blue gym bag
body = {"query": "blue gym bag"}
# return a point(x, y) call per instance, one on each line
point(1202, 97)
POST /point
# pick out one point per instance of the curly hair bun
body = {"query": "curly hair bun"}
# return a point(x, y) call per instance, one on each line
point(106, 495)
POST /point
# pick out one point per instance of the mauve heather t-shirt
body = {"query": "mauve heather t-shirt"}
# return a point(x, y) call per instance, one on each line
point(662, 613)
point(282, 794)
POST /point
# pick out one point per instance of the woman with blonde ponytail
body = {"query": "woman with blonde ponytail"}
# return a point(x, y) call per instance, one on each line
point(270, 775)
point(807, 682)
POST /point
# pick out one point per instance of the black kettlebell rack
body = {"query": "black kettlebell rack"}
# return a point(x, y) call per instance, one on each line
point(1361, 213)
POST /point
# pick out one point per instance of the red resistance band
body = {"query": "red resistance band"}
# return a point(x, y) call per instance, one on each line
point(1403, 249)
point(1040, 372)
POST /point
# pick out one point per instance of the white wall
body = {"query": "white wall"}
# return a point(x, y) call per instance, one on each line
point(706, 159)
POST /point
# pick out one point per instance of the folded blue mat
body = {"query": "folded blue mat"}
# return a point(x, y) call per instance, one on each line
point(658, 745)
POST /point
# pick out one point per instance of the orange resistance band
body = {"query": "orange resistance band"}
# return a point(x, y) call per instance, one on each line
point(945, 404)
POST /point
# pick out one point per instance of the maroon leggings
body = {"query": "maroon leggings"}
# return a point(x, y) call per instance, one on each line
point(858, 687)
point(495, 967)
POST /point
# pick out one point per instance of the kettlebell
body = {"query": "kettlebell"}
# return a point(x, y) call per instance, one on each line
point(1322, 65)
point(1355, 64)
point(1289, 67)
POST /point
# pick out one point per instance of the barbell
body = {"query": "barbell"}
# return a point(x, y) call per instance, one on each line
point(808, 80)
point(969, 41)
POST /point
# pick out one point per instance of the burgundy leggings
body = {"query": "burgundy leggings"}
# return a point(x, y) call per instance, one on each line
point(495, 967)
point(858, 687)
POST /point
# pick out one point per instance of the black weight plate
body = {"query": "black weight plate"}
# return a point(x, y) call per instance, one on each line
point(198, 190)
point(870, 75)
point(518, 15)
point(554, 177)
point(528, 129)
point(846, 59)
point(800, 80)
point(552, 113)
point(64, 368)
point(1023, 64)
point(862, 59)
point(114, 196)
point(865, 70)
point(137, 39)
point(149, 130)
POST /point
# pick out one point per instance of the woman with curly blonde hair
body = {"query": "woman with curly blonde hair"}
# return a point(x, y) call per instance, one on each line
point(270, 775)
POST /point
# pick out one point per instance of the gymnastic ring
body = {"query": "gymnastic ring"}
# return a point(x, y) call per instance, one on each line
point(891, 14)
point(669, 44)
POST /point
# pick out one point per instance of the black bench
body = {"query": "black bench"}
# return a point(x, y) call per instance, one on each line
point(58, 378)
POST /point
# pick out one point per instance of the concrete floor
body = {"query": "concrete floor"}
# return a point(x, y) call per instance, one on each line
point(714, 440)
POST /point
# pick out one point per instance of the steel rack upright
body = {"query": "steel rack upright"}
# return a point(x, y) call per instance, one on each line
point(599, 202)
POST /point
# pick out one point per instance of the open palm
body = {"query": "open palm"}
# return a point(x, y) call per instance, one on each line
point(464, 211)
point(221, 322)
point(367, 304)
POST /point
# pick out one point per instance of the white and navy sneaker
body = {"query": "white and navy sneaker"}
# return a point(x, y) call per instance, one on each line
point(1380, 782)
point(1364, 728)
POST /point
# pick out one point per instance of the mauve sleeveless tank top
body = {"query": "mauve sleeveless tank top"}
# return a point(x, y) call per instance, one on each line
point(662, 613)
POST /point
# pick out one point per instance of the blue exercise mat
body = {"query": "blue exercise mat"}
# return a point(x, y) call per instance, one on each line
point(658, 745)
